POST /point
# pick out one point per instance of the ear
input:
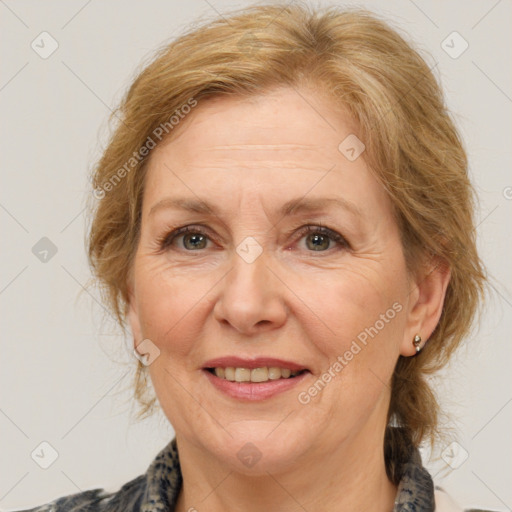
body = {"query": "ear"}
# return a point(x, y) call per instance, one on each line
point(427, 292)
point(133, 315)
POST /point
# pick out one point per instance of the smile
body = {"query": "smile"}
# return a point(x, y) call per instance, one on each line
point(263, 374)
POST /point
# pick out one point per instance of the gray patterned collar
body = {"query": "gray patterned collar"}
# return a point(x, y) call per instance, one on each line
point(416, 487)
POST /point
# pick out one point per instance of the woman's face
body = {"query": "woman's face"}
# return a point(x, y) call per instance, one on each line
point(248, 282)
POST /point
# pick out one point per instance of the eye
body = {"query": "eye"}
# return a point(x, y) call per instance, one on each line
point(319, 238)
point(193, 238)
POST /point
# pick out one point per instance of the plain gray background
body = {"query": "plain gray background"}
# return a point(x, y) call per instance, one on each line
point(65, 375)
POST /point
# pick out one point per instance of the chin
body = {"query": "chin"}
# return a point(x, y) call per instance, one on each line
point(257, 449)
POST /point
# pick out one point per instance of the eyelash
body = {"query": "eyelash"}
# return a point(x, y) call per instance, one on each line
point(166, 240)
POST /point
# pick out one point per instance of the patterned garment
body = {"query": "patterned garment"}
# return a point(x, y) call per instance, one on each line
point(157, 490)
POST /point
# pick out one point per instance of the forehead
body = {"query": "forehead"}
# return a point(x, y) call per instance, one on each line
point(284, 144)
point(281, 123)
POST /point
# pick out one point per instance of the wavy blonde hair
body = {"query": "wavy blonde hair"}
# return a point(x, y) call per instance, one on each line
point(412, 146)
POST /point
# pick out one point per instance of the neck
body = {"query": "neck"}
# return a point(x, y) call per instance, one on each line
point(347, 478)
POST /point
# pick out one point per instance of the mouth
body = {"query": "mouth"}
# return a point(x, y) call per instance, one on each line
point(261, 374)
point(247, 379)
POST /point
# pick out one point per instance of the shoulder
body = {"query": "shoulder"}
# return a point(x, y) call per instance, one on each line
point(155, 490)
point(444, 503)
point(127, 498)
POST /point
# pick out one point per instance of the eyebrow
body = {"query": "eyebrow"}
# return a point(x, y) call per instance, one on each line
point(292, 207)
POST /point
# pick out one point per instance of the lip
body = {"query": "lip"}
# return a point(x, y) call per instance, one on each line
point(254, 391)
point(258, 362)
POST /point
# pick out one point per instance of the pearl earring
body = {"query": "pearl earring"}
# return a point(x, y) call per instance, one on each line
point(416, 342)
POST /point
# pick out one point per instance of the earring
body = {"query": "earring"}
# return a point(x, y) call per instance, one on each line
point(416, 342)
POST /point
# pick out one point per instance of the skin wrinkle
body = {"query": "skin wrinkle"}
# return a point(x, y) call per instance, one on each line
point(353, 228)
point(212, 303)
point(293, 165)
point(271, 147)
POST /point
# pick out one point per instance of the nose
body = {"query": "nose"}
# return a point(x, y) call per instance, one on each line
point(252, 297)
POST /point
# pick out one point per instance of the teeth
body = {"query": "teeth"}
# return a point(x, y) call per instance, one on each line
point(229, 374)
point(259, 375)
point(263, 374)
point(242, 375)
point(274, 373)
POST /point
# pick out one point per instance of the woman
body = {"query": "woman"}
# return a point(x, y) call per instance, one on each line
point(285, 222)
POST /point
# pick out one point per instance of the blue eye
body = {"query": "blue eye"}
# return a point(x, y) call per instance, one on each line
point(195, 238)
point(189, 233)
point(322, 234)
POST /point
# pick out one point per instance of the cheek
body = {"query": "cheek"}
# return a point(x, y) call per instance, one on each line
point(169, 303)
point(361, 319)
point(366, 317)
point(360, 302)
